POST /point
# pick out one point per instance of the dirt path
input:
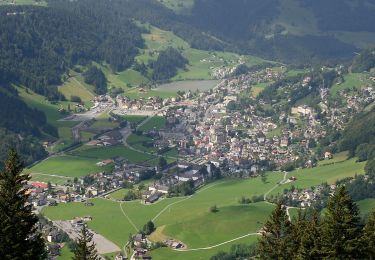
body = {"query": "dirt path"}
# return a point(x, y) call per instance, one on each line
point(217, 245)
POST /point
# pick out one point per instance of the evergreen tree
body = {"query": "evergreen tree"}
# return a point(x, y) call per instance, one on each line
point(85, 249)
point(310, 238)
point(340, 229)
point(19, 238)
point(368, 238)
point(149, 227)
point(275, 238)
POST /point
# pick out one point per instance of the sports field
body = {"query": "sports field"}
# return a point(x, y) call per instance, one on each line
point(102, 153)
point(68, 166)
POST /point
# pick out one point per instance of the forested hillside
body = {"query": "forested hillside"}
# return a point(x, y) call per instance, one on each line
point(39, 45)
point(20, 127)
point(294, 31)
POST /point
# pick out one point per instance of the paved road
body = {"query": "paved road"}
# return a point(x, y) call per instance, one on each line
point(103, 245)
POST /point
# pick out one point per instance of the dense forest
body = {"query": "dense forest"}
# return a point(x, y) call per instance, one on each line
point(96, 77)
point(343, 15)
point(167, 64)
point(38, 45)
point(21, 126)
point(250, 27)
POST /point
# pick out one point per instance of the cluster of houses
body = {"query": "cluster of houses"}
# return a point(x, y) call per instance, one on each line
point(306, 197)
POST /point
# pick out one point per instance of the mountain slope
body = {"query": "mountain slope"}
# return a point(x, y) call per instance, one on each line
point(288, 30)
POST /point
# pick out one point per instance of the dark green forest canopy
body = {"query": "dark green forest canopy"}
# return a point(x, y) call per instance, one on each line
point(21, 126)
point(38, 45)
point(343, 15)
point(365, 61)
point(167, 64)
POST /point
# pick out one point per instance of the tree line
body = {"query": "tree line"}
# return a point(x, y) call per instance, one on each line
point(337, 233)
point(40, 44)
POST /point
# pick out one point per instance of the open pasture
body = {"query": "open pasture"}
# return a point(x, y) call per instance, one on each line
point(68, 166)
point(103, 153)
point(155, 123)
point(328, 173)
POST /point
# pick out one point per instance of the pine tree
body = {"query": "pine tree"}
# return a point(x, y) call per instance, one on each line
point(274, 239)
point(368, 238)
point(296, 231)
point(19, 238)
point(85, 249)
point(340, 229)
point(310, 238)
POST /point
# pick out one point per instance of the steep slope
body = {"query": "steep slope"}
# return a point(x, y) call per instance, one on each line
point(289, 30)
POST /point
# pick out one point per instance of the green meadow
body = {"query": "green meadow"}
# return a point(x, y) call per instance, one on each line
point(187, 218)
point(155, 123)
point(200, 62)
point(69, 166)
point(351, 80)
point(134, 119)
point(102, 153)
point(329, 173)
point(366, 206)
point(119, 194)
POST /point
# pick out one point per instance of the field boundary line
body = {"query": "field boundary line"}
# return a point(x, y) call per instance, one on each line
point(277, 185)
point(130, 221)
point(217, 245)
point(174, 203)
point(51, 175)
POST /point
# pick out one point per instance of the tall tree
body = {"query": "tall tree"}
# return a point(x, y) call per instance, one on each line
point(310, 238)
point(19, 238)
point(274, 239)
point(341, 228)
point(368, 238)
point(85, 249)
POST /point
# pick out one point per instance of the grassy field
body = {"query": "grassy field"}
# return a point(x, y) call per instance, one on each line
point(200, 62)
point(69, 166)
point(108, 218)
point(165, 253)
point(155, 123)
point(134, 119)
point(328, 173)
point(118, 195)
point(74, 87)
point(257, 89)
point(138, 141)
point(189, 219)
point(352, 80)
point(366, 206)
point(65, 254)
point(60, 180)
point(53, 115)
point(103, 122)
point(340, 157)
point(102, 153)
